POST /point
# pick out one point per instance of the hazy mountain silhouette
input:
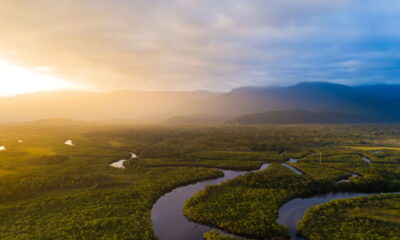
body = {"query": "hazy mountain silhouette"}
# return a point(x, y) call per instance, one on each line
point(377, 102)
point(300, 117)
point(384, 91)
point(306, 96)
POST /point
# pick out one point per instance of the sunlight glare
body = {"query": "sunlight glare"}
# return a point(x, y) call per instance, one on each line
point(16, 80)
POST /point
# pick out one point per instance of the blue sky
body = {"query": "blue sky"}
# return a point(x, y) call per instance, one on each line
point(204, 44)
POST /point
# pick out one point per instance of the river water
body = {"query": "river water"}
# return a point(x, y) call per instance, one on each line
point(120, 163)
point(69, 143)
point(169, 223)
point(291, 212)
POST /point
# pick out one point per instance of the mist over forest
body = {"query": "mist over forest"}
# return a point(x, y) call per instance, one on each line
point(340, 103)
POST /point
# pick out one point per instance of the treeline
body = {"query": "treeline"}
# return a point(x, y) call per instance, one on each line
point(174, 141)
point(222, 164)
point(20, 186)
point(230, 155)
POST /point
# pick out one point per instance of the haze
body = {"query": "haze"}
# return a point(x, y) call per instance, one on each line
point(176, 45)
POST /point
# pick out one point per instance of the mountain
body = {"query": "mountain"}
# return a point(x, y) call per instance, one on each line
point(56, 122)
point(309, 96)
point(192, 119)
point(383, 91)
point(378, 103)
point(306, 96)
point(299, 117)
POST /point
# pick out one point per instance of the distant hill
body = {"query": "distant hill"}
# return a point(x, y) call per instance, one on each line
point(299, 117)
point(194, 119)
point(56, 121)
point(383, 91)
point(314, 96)
point(305, 96)
point(377, 103)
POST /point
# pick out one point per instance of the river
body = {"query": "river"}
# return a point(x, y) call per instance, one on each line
point(169, 223)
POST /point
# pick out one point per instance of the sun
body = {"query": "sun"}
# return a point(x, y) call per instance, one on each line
point(16, 80)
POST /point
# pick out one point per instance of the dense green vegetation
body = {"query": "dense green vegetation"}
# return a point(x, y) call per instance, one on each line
point(230, 155)
point(215, 235)
point(223, 164)
point(110, 213)
point(372, 217)
point(335, 157)
point(251, 201)
point(49, 190)
point(52, 191)
point(384, 156)
point(320, 172)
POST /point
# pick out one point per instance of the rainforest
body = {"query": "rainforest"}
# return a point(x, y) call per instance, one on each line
point(199, 120)
point(58, 181)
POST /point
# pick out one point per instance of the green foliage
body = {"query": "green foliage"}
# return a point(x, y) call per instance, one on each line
point(49, 190)
point(297, 153)
point(318, 172)
point(250, 202)
point(46, 160)
point(335, 158)
point(373, 217)
point(228, 155)
point(121, 212)
point(215, 235)
point(222, 164)
point(16, 186)
point(383, 156)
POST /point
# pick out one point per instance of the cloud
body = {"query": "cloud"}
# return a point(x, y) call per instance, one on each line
point(203, 44)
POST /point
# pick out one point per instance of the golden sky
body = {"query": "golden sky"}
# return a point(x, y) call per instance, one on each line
point(199, 44)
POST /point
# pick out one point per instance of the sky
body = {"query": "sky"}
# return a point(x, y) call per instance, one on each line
point(215, 45)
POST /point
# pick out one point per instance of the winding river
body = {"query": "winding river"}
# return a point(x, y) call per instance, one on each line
point(169, 223)
point(291, 212)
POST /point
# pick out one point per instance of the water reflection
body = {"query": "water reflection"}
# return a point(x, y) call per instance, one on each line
point(366, 160)
point(118, 164)
point(69, 142)
point(292, 168)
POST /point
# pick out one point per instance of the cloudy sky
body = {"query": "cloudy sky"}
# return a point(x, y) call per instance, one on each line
point(203, 44)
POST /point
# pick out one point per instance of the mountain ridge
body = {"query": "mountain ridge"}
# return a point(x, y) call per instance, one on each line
point(160, 106)
point(301, 117)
